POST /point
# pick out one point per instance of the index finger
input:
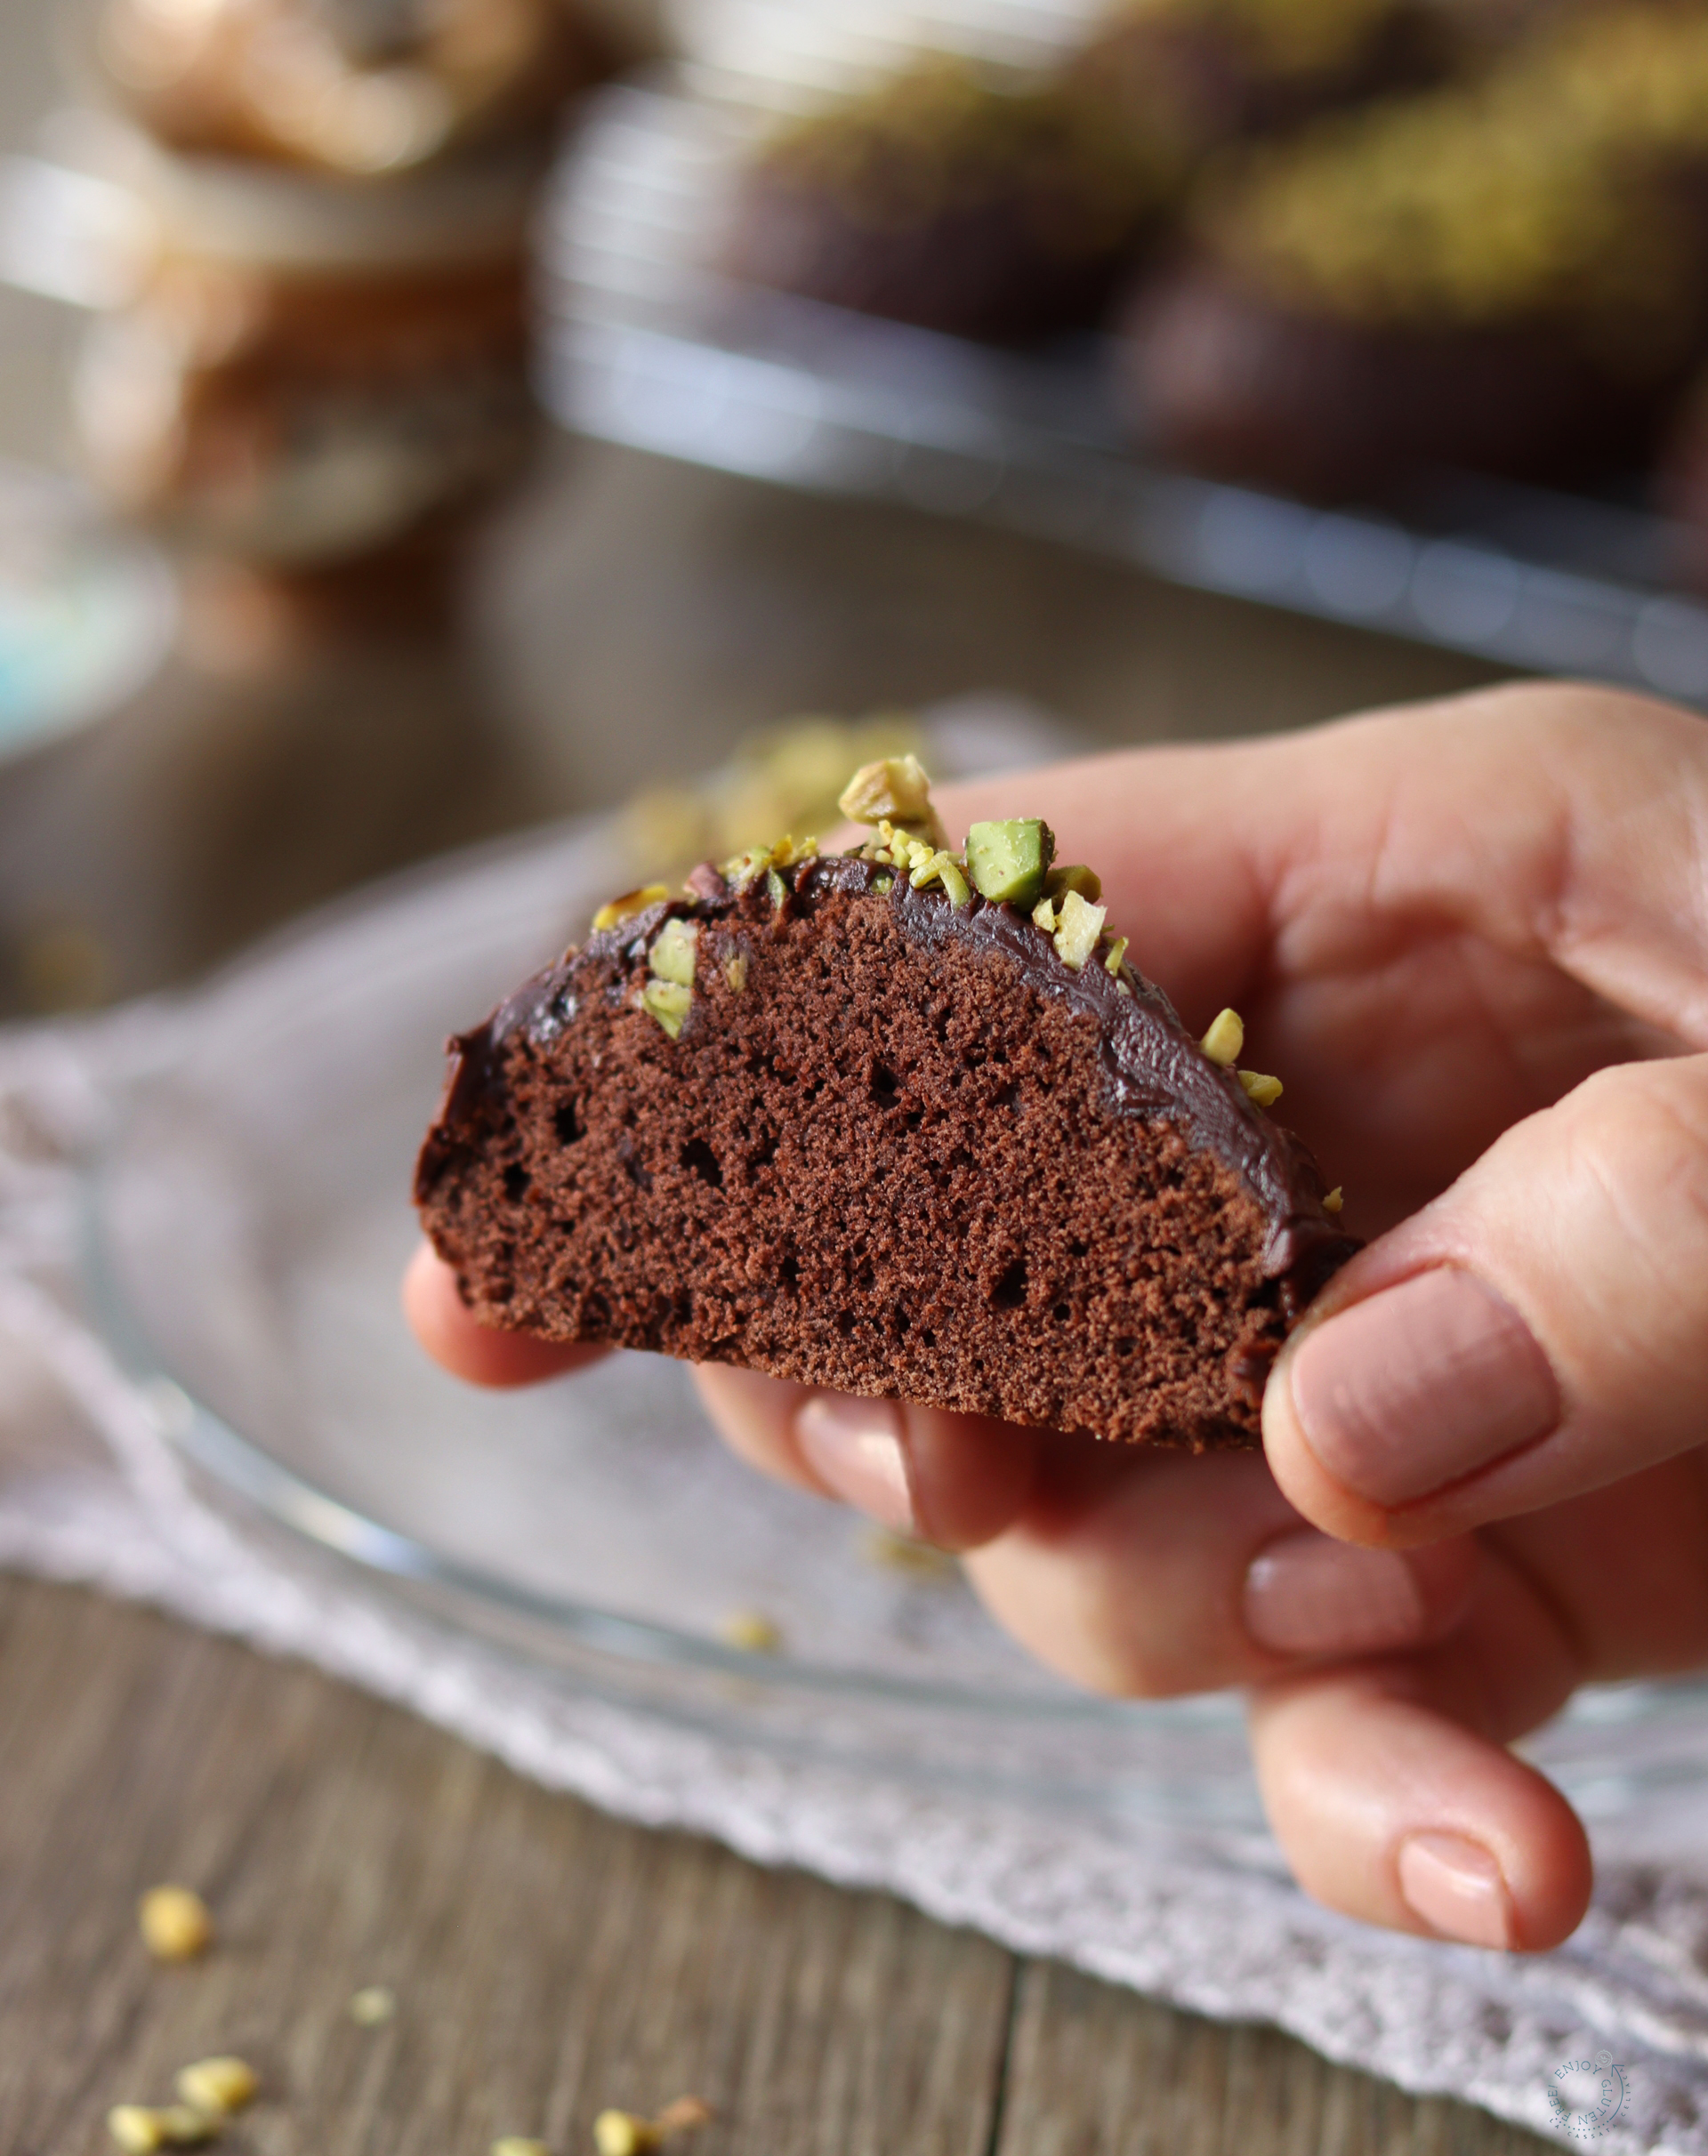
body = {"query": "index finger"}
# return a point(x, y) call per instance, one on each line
point(477, 1354)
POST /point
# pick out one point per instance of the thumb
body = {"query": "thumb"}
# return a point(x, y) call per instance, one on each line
point(1538, 1331)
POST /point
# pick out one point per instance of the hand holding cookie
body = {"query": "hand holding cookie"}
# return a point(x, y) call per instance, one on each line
point(1471, 940)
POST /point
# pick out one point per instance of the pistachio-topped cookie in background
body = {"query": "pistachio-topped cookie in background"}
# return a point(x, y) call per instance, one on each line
point(899, 1121)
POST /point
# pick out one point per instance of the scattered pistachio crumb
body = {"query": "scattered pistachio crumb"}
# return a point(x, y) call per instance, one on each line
point(1078, 926)
point(1044, 915)
point(735, 972)
point(1335, 1199)
point(135, 2127)
point(776, 889)
point(519, 2144)
point(883, 885)
point(670, 1003)
point(374, 2003)
point(902, 1553)
point(618, 910)
point(217, 2085)
point(174, 1923)
point(1262, 1092)
point(1122, 986)
point(787, 853)
point(674, 953)
point(619, 2132)
point(752, 1631)
point(682, 2116)
point(1118, 951)
point(1225, 1038)
point(139, 2127)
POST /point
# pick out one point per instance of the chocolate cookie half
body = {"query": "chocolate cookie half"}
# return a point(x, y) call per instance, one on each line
point(899, 1122)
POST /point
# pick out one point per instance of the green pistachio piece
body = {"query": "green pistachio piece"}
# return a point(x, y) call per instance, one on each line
point(673, 950)
point(669, 1002)
point(1074, 877)
point(956, 885)
point(1008, 863)
point(1078, 926)
point(778, 888)
point(1117, 951)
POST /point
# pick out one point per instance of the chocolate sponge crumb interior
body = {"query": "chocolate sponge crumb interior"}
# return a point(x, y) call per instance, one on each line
point(894, 1145)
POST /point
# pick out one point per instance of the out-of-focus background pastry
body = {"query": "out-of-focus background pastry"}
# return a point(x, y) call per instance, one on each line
point(425, 418)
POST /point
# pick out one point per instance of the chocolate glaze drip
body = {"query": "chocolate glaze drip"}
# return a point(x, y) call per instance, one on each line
point(1155, 1065)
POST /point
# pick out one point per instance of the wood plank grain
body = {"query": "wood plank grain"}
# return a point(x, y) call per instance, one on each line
point(1094, 2071)
point(548, 1962)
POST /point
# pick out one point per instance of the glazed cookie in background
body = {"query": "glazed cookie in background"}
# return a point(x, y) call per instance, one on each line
point(1505, 278)
point(297, 418)
point(901, 1121)
point(1194, 74)
point(350, 86)
point(983, 205)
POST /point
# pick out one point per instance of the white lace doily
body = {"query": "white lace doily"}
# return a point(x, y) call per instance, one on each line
point(91, 1494)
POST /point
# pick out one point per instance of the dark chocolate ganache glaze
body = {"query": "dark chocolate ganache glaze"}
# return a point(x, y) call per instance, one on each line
point(1153, 1065)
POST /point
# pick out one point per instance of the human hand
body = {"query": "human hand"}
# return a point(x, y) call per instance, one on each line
point(1473, 940)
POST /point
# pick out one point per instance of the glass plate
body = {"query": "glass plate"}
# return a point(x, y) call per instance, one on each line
point(246, 1228)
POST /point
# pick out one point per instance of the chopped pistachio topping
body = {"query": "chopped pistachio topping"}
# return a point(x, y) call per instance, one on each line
point(788, 853)
point(1261, 1092)
point(956, 885)
point(630, 903)
point(1078, 926)
point(1074, 877)
point(218, 2085)
point(746, 868)
point(674, 951)
point(1116, 952)
point(1225, 1038)
point(1335, 1199)
point(883, 885)
point(1044, 916)
point(735, 972)
point(928, 864)
point(1008, 861)
point(777, 890)
point(896, 787)
point(668, 1001)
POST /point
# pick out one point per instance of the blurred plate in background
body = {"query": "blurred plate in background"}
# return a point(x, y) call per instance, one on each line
point(247, 1229)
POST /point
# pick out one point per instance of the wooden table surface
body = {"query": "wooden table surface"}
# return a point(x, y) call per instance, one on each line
point(547, 1962)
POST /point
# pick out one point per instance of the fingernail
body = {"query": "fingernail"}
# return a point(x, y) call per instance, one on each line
point(1454, 1886)
point(1307, 1594)
point(854, 1447)
point(1423, 1383)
